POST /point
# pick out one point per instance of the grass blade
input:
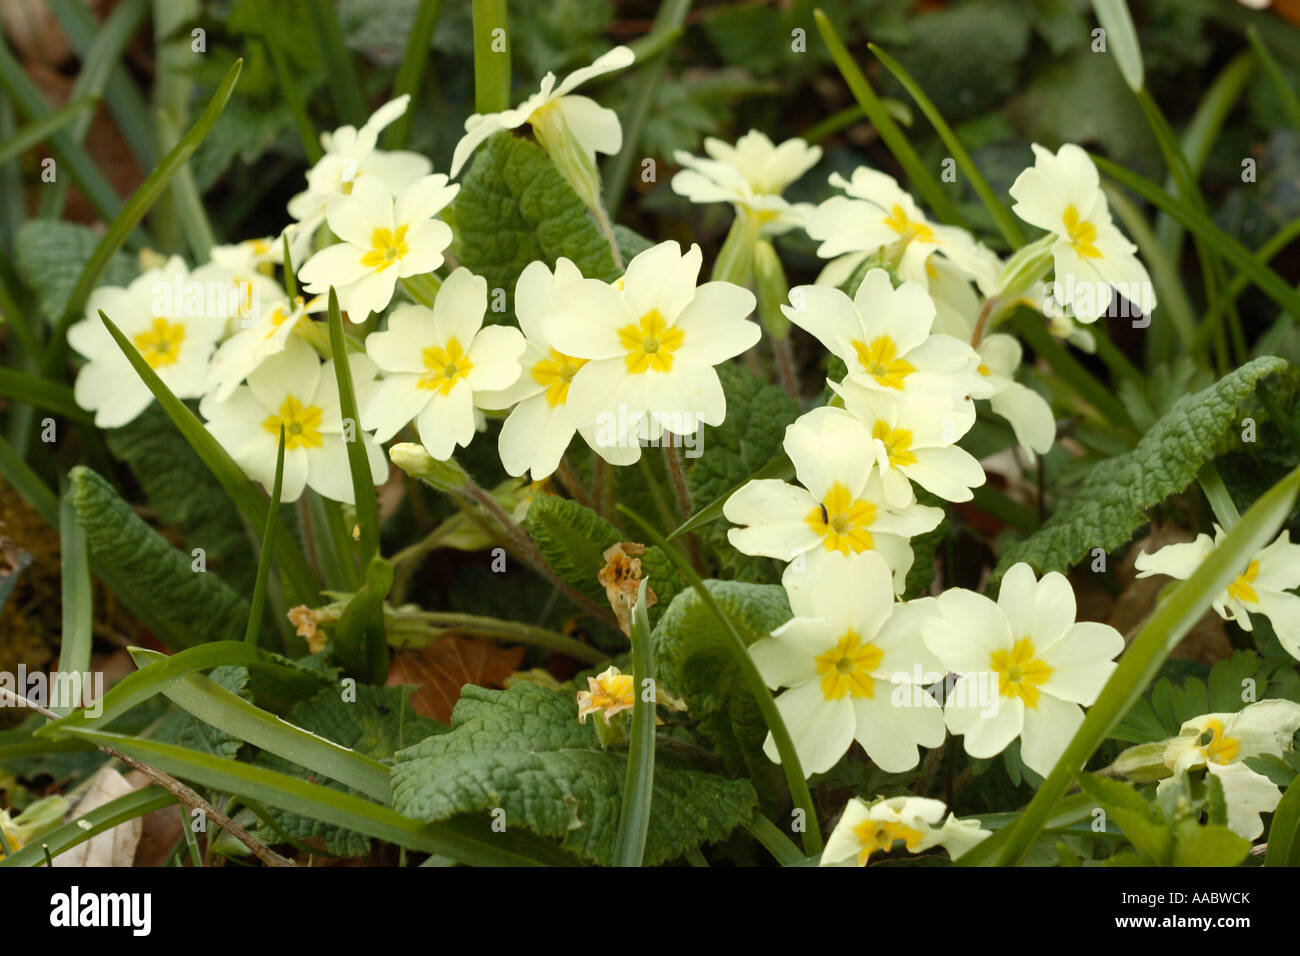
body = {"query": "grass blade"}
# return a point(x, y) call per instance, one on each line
point(258, 606)
point(638, 783)
point(363, 485)
point(491, 66)
point(1268, 281)
point(211, 703)
point(74, 588)
point(469, 841)
point(250, 502)
point(1140, 663)
point(790, 765)
point(1287, 96)
point(892, 136)
point(100, 820)
point(344, 85)
point(289, 87)
point(134, 210)
point(38, 132)
point(411, 71)
point(41, 393)
point(1121, 40)
point(1006, 223)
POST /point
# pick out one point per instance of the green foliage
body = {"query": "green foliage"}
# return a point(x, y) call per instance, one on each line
point(184, 607)
point(573, 539)
point(523, 751)
point(378, 723)
point(1162, 712)
point(514, 207)
point(49, 256)
point(693, 658)
point(186, 730)
point(182, 492)
point(1107, 507)
point(1169, 831)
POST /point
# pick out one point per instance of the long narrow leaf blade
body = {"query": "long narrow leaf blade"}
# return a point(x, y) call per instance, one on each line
point(638, 783)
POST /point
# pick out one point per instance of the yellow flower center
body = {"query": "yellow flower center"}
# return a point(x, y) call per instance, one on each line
point(1082, 234)
point(873, 835)
point(1241, 588)
point(881, 361)
point(301, 424)
point(279, 315)
point(1019, 672)
point(609, 691)
point(446, 366)
point(160, 344)
point(386, 247)
point(651, 344)
point(846, 668)
point(556, 371)
point(843, 522)
point(984, 369)
point(1218, 748)
point(897, 442)
point(908, 229)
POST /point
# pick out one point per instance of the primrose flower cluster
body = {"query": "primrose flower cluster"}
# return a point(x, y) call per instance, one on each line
point(906, 310)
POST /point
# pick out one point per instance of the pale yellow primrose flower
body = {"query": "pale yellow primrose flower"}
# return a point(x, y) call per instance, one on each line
point(915, 435)
point(293, 388)
point(1061, 193)
point(383, 239)
point(609, 692)
point(1222, 742)
point(751, 176)
point(1024, 409)
point(841, 506)
point(1025, 665)
point(878, 215)
point(854, 664)
point(651, 340)
point(863, 830)
point(351, 154)
point(175, 338)
point(539, 428)
point(437, 362)
point(884, 336)
point(1262, 588)
point(595, 128)
point(241, 354)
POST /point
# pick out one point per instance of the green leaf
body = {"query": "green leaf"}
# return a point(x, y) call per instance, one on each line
point(491, 65)
point(514, 207)
point(359, 636)
point(183, 493)
point(695, 661)
point(1207, 845)
point(183, 606)
point(29, 136)
point(377, 724)
point(1141, 822)
point(363, 486)
point(523, 751)
point(41, 393)
point(50, 255)
point(469, 841)
point(103, 818)
point(74, 572)
point(1121, 39)
point(410, 73)
point(1107, 507)
point(1284, 832)
point(1172, 619)
point(572, 539)
point(185, 730)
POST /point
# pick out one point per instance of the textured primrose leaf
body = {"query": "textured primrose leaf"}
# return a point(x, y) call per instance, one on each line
point(183, 493)
point(523, 751)
point(49, 256)
point(693, 658)
point(1109, 505)
point(378, 723)
point(160, 587)
point(573, 539)
point(514, 207)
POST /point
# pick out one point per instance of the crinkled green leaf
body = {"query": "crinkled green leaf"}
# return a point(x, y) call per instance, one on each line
point(694, 661)
point(158, 584)
point(49, 256)
point(523, 751)
point(1108, 506)
point(515, 207)
point(378, 724)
